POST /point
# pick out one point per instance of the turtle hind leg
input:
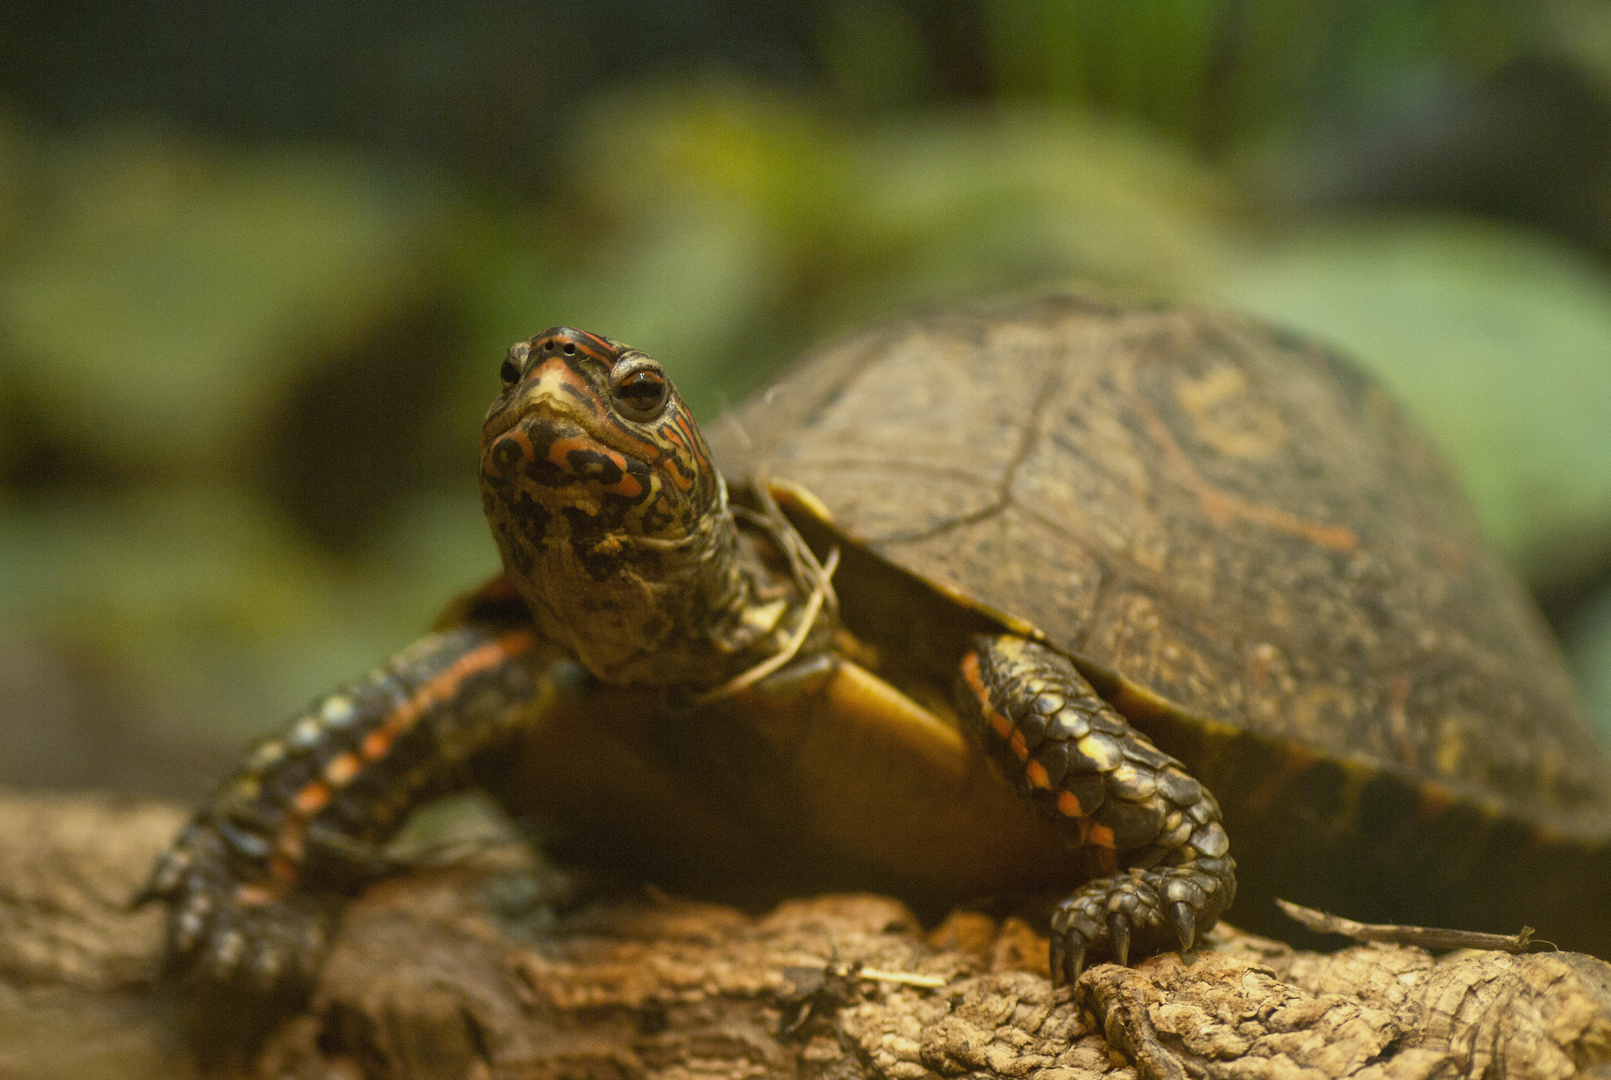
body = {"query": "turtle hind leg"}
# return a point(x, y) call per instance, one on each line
point(1146, 834)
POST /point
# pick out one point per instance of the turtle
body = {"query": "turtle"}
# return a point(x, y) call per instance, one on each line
point(1049, 595)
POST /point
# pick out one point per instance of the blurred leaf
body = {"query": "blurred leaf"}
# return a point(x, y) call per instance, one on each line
point(1499, 342)
point(875, 54)
point(1208, 73)
point(725, 228)
point(166, 294)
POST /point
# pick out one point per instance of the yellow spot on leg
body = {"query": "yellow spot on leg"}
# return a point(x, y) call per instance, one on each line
point(341, 769)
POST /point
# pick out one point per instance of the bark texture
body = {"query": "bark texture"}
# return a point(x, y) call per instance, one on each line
point(468, 972)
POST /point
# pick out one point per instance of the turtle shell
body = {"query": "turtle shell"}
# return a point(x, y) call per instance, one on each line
point(1238, 534)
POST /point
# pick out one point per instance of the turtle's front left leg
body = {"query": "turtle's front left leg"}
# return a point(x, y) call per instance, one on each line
point(1146, 832)
point(253, 882)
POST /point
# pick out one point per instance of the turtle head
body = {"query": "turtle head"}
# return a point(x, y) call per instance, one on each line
point(610, 515)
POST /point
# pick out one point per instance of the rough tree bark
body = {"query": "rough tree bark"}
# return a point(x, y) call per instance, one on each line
point(466, 971)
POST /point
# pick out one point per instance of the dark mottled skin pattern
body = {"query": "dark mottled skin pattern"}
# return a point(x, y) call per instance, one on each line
point(315, 802)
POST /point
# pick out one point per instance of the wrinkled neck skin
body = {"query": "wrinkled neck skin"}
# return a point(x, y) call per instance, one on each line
point(691, 610)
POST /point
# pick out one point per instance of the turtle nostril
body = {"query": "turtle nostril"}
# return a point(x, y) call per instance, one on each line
point(570, 349)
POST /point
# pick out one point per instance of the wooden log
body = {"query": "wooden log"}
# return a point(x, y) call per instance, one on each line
point(468, 971)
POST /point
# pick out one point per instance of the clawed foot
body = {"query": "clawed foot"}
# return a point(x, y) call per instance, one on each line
point(229, 931)
point(1142, 912)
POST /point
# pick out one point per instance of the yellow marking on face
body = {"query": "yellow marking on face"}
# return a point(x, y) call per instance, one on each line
point(1037, 776)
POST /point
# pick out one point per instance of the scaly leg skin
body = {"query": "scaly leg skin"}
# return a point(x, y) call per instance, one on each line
point(1146, 832)
point(254, 882)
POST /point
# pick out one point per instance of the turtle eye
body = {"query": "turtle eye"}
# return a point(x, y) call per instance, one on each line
point(509, 372)
point(642, 393)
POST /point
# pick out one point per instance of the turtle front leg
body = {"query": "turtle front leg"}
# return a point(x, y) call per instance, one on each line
point(1146, 833)
point(253, 883)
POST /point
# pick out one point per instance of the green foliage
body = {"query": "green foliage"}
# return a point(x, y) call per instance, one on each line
point(1499, 342)
point(1211, 72)
point(158, 294)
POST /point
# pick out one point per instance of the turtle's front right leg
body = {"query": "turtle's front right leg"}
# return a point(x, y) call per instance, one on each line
point(1145, 831)
point(253, 883)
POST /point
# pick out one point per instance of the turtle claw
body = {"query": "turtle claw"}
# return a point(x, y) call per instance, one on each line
point(1119, 937)
point(271, 947)
point(1076, 960)
point(1185, 920)
point(1135, 915)
point(1067, 957)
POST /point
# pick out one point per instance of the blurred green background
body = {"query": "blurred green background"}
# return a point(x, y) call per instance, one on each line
point(259, 263)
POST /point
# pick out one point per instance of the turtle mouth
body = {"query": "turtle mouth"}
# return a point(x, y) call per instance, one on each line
point(553, 449)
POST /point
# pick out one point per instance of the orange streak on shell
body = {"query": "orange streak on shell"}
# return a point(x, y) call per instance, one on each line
point(1222, 507)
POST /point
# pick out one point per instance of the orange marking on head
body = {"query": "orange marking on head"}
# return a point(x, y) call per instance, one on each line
point(341, 769)
point(1100, 835)
point(587, 344)
point(312, 799)
point(1068, 804)
point(1019, 746)
point(283, 869)
point(1002, 725)
point(628, 485)
point(1037, 776)
point(514, 435)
